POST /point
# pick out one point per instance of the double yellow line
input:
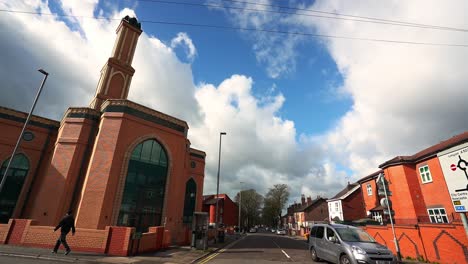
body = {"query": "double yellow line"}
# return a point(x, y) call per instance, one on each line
point(211, 256)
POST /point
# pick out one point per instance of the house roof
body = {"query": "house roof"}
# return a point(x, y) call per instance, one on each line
point(377, 208)
point(314, 202)
point(428, 152)
point(211, 201)
point(369, 177)
point(349, 189)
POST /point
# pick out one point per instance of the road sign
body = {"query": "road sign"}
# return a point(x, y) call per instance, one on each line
point(454, 163)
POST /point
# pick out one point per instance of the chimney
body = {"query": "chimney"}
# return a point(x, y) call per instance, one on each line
point(309, 200)
point(303, 199)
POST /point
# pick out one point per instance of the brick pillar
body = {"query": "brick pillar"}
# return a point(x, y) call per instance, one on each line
point(102, 178)
point(213, 213)
point(56, 193)
point(119, 241)
point(18, 228)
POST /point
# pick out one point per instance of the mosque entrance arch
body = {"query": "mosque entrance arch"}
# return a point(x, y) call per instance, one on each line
point(143, 195)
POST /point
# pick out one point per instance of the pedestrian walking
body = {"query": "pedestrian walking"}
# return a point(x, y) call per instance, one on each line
point(67, 223)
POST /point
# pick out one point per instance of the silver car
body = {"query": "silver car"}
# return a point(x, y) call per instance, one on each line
point(345, 245)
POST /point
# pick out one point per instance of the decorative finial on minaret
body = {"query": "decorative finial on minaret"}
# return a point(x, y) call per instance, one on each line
point(117, 74)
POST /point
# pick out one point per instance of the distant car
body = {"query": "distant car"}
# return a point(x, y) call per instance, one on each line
point(346, 244)
point(281, 232)
point(273, 230)
point(253, 230)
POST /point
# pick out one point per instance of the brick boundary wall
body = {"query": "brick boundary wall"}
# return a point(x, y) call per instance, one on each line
point(441, 243)
point(113, 240)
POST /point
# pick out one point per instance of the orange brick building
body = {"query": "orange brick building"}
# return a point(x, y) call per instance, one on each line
point(114, 163)
point(426, 224)
point(228, 211)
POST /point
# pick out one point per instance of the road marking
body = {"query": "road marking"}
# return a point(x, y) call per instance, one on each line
point(210, 257)
point(282, 251)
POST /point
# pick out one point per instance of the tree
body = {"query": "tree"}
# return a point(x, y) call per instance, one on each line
point(275, 201)
point(251, 203)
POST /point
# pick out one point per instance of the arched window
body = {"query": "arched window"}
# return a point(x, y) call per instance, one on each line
point(190, 198)
point(16, 176)
point(143, 196)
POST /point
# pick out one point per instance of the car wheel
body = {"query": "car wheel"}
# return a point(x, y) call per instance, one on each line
point(345, 260)
point(313, 254)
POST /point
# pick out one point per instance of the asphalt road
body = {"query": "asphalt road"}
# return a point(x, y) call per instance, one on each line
point(262, 248)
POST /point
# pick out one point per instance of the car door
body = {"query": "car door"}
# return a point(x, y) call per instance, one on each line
point(320, 243)
point(333, 249)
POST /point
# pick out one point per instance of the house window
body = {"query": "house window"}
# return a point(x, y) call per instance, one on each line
point(438, 215)
point(336, 207)
point(369, 189)
point(425, 174)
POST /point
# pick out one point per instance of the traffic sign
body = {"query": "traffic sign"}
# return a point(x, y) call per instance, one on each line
point(454, 163)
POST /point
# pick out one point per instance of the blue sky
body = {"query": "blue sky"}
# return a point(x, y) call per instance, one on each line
point(311, 99)
point(311, 112)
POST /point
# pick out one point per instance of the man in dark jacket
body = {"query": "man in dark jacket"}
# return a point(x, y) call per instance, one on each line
point(67, 223)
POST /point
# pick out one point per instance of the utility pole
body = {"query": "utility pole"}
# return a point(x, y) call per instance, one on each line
point(240, 206)
point(217, 182)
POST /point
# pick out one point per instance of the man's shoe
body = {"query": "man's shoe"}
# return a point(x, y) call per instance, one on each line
point(67, 252)
point(53, 252)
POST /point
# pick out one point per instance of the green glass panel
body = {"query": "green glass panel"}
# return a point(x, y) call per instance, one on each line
point(156, 153)
point(426, 168)
point(163, 159)
point(13, 185)
point(137, 152)
point(421, 169)
point(190, 199)
point(146, 151)
point(143, 196)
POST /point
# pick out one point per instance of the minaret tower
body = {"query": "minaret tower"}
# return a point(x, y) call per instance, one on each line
point(117, 73)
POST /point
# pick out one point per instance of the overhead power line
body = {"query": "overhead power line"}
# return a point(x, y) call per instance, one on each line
point(336, 16)
point(247, 29)
point(344, 15)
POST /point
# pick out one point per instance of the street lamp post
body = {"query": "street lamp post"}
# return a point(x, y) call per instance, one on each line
point(2, 183)
point(240, 206)
point(217, 182)
point(381, 178)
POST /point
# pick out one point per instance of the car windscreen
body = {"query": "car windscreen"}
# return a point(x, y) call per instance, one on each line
point(354, 235)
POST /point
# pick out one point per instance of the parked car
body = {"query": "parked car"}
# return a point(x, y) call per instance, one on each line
point(346, 245)
point(273, 230)
point(253, 230)
point(281, 232)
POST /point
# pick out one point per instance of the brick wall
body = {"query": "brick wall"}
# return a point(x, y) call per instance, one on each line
point(353, 208)
point(442, 243)
point(111, 240)
point(370, 201)
point(4, 228)
point(119, 241)
point(317, 212)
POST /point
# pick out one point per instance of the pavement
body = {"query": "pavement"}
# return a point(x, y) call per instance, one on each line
point(174, 254)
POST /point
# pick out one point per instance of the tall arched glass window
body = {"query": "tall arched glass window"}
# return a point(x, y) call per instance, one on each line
point(190, 198)
point(16, 176)
point(143, 195)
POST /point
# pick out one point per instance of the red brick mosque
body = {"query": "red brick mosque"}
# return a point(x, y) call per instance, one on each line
point(123, 169)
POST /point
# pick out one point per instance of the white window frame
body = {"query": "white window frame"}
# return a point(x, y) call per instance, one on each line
point(426, 176)
point(336, 207)
point(437, 216)
point(369, 189)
